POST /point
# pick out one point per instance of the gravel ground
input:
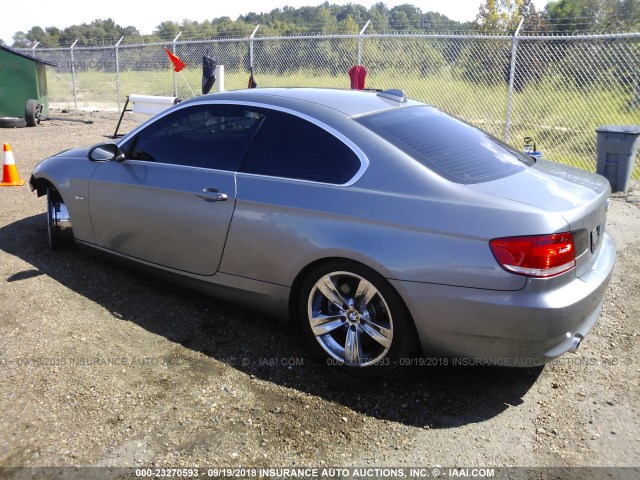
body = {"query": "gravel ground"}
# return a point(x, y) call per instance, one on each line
point(102, 366)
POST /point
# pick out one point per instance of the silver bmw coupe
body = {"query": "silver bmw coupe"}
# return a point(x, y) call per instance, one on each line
point(378, 223)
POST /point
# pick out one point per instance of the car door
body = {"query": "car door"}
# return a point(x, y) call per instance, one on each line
point(170, 201)
point(291, 199)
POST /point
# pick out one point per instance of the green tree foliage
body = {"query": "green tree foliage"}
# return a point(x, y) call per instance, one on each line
point(501, 15)
point(379, 16)
point(493, 16)
point(20, 40)
point(491, 64)
point(325, 19)
point(167, 30)
point(602, 60)
point(593, 15)
point(98, 32)
point(488, 63)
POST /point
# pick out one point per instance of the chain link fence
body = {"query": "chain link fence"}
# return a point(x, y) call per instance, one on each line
point(555, 89)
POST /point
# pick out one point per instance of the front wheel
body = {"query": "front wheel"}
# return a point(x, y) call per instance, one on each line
point(59, 229)
point(354, 318)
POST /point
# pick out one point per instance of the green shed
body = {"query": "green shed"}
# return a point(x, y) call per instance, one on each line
point(23, 77)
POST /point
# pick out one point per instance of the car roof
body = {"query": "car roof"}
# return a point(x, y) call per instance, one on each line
point(348, 102)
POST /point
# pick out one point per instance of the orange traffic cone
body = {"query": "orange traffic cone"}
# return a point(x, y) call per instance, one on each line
point(10, 175)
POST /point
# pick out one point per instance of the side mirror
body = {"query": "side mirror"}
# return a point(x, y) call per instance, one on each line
point(105, 152)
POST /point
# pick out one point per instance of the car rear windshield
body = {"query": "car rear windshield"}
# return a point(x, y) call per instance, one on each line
point(448, 146)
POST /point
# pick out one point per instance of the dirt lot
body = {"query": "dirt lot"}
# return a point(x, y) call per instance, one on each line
point(100, 365)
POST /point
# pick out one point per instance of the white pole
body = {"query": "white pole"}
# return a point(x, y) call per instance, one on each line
point(360, 41)
point(175, 77)
point(251, 45)
point(118, 74)
point(73, 76)
point(512, 75)
point(219, 78)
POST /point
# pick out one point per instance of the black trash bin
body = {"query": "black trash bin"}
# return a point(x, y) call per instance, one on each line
point(617, 148)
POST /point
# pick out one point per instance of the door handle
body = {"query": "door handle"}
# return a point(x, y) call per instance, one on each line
point(211, 194)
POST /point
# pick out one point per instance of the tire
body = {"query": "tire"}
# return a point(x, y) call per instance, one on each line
point(12, 122)
point(59, 230)
point(32, 113)
point(365, 326)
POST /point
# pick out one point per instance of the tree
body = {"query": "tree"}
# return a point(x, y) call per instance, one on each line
point(594, 15)
point(379, 16)
point(533, 58)
point(131, 32)
point(325, 21)
point(325, 18)
point(349, 25)
point(53, 37)
point(399, 20)
point(414, 14)
point(501, 15)
point(534, 21)
point(167, 30)
point(573, 15)
point(490, 64)
point(98, 32)
point(20, 40)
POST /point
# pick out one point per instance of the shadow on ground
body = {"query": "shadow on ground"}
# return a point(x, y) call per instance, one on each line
point(427, 396)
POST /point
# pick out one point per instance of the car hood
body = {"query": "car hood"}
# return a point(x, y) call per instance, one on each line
point(74, 152)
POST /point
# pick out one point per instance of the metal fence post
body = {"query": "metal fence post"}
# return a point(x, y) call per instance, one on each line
point(73, 76)
point(175, 77)
point(360, 41)
point(118, 73)
point(33, 49)
point(251, 46)
point(512, 74)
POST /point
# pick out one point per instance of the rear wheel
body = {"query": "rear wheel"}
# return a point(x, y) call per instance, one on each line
point(354, 318)
point(58, 223)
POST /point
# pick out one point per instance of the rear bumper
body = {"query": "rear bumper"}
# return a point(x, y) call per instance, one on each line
point(511, 328)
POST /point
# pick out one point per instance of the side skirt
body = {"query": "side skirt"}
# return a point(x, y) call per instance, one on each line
point(263, 297)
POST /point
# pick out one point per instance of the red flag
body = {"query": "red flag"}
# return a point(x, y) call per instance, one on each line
point(177, 63)
point(357, 74)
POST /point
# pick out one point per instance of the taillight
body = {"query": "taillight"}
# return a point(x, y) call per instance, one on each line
point(536, 255)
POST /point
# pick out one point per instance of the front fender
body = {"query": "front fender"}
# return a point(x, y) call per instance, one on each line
point(70, 176)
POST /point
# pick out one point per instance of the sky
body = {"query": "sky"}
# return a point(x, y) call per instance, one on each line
point(146, 16)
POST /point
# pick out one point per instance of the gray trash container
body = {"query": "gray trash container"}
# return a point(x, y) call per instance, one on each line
point(617, 147)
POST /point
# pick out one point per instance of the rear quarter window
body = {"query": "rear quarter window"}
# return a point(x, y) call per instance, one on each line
point(449, 147)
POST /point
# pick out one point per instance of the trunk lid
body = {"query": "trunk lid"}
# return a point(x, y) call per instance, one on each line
point(582, 198)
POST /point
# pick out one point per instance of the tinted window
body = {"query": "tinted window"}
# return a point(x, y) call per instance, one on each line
point(290, 147)
point(209, 136)
point(451, 148)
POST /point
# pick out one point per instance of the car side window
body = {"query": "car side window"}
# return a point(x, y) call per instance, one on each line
point(206, 136)
point(291, 147)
